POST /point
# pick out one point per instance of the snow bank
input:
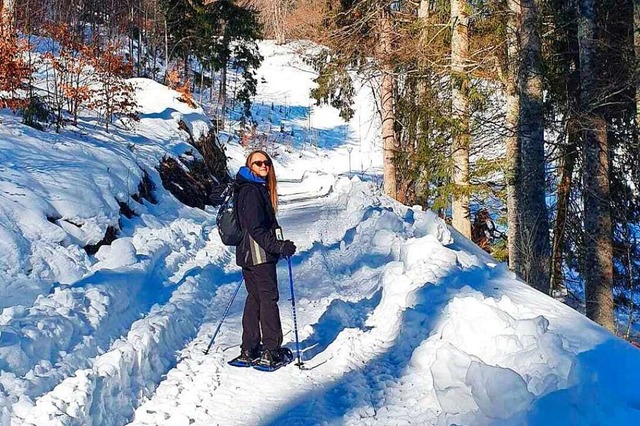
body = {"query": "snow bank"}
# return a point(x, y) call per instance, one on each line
point(108, 392)
point(61, 191)
point(63, 307)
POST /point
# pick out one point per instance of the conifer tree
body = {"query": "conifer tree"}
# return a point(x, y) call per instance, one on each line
point(233, 32)
point(528, 222)
point(597, 216)
point(460, 111)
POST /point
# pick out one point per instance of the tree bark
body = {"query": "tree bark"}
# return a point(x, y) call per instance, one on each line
point(568, 160)
point(598, 250)
point(132, 23)
point(166, 50)
point(597, 223)
point(222, 95)
point(389, 141)
point(140, 25)
point(535, 220)
point(636, 49)
point(211, 71)
point(528, 232)
point(460, 112)
point(512, 123)
point(423, 9)
point(569, 151)
point(280, 11)
point(7, 6)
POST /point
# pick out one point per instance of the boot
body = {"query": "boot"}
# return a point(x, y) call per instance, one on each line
point(249, 355)
point(271, 358)
point(276, 357)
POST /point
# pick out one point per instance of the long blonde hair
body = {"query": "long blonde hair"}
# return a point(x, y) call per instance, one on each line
point(272, 182)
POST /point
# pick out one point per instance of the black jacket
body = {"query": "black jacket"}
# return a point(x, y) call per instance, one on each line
point(257, 220)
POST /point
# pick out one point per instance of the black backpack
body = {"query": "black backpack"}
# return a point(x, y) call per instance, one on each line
point(227, 220)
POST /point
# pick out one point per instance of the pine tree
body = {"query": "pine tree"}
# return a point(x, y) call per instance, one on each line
point(562, 67)
point(528, 222)
point(596, 189)
point(460, 111)
point(230, 32)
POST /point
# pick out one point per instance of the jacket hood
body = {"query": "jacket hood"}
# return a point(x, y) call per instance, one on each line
point(246, 175)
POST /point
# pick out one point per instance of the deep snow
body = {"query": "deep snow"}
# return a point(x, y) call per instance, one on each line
point(402, 320)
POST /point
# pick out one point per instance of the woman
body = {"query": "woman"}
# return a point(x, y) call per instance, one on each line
point(257, 254)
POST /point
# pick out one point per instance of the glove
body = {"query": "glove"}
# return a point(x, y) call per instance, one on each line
point(287, 249)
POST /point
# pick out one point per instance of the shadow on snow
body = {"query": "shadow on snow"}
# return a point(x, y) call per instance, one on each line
point(332, 403)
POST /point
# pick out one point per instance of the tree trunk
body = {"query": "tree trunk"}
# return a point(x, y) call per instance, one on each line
point(140, 25)
point(460, 112)
point(389, 142)
point(212, 81)
point(280, 10)
point(132, 23)
point(535, 225)
point(570, 64)
point(568, 160)
point(201, 81)
point(636, 48)
point(597, 223)
point(598, 250)
point(7, 6)
point(222, 95)
point(512, 123)
point(423, 9)
point(527, 211)
point(166, 50)
point(186, 68)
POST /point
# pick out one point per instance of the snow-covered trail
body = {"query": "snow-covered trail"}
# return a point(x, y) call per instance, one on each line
point(400, 323)
point(324, 286)
point(92, 348)
point(338, 281)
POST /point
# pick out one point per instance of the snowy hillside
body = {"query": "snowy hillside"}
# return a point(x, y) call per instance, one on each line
point(401, 320)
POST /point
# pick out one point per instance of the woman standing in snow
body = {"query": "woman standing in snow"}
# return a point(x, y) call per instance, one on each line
point(257, 254)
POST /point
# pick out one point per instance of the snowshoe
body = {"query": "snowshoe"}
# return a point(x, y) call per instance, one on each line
point(273, 360)
point(247, 358)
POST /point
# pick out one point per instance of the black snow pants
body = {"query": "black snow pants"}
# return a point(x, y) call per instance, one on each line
point(261, 308)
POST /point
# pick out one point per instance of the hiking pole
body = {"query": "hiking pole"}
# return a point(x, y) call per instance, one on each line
point(295, 320)
point(226, 311)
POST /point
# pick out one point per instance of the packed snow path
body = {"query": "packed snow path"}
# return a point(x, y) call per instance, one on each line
point(400, 323)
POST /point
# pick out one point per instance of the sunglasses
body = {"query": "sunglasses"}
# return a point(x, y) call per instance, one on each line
point(266, 163)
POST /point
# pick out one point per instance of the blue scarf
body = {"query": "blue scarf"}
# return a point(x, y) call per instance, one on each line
point(247, 174)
